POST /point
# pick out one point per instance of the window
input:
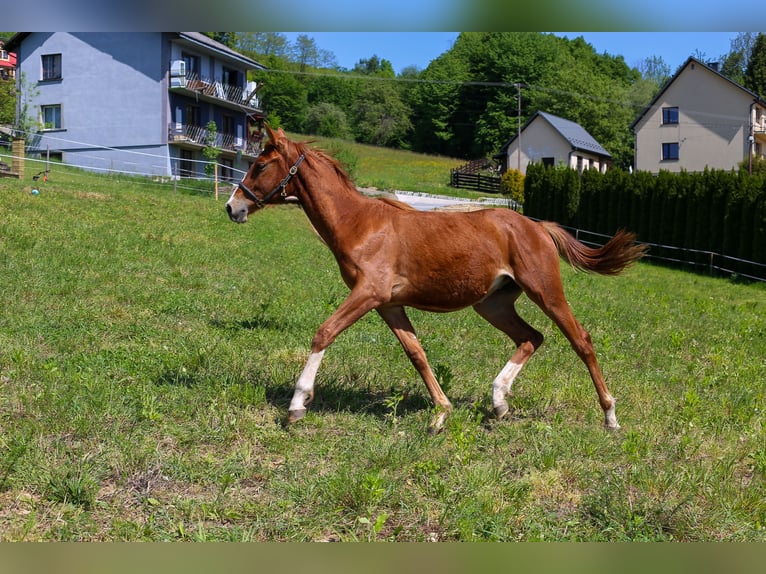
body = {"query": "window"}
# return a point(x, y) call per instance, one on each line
point(227, 169)
point(230, 77)
point(191, 116)
point(228, 124)
point(669, 151)
point(51, 117)
point(51, 67)
point(549, 161)
point(669, 116)
point(192, 65)
point(186, 166)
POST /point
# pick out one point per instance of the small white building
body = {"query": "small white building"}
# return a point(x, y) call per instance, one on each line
point(553, 141)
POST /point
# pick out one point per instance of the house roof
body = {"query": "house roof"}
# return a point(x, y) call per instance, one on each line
point(681, 68)
point(572, 132)
point(206, 41)
point(197, 38)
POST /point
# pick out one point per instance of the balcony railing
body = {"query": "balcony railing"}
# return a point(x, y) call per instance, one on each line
point(199, 136)
point(220, 91)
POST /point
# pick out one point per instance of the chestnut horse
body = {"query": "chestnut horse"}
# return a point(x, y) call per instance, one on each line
point(392, 256)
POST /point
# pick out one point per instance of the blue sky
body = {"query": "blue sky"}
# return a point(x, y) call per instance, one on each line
point(403, 49)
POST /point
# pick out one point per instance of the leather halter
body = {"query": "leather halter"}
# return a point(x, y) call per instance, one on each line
point(280, 188)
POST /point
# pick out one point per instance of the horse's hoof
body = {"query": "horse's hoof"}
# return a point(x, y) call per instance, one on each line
point(437, 424)
point(295, 415)
point(501, 411)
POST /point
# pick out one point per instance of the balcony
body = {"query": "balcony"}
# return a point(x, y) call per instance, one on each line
point(216, 91)
point(197, 137)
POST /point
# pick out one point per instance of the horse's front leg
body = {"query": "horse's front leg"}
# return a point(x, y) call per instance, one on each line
point(397, 320)
point(358, 303)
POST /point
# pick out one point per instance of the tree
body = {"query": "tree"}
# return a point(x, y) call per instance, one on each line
point(283, 95)
point(380, 116)
point(305, 53)
point(436, 103)
point(7, 102)
point(327, 120)
point(755, 74)
point(211, 150)
point(655, 70)
point(263, 44)
point(375, 66)
point(734, 64)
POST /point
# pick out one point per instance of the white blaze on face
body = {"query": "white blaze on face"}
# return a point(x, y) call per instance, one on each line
point(233, 191)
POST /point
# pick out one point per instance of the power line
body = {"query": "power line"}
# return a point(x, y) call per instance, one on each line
point(458, 83)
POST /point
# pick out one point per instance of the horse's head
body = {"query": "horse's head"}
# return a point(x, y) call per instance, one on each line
point(266, 180)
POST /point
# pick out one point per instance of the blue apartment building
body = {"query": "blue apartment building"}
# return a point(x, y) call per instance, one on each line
point(138, 102)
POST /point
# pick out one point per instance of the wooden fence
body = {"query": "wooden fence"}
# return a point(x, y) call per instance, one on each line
point(470, 176)
point(475, 181)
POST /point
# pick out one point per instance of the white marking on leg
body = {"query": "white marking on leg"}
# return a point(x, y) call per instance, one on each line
point(304, 388)
point(610, 418)
point(502, 386)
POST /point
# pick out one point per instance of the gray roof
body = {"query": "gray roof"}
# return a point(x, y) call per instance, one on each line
point(571, 131)
point(208, 42)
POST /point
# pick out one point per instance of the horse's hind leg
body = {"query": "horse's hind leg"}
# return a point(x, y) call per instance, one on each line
point(498, 309)
point(399, 323)
point(549, 296)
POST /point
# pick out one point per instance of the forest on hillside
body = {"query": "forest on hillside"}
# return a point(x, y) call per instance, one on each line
point(472, 99)
point(468, 101)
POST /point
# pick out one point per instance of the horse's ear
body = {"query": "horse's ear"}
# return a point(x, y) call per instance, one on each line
point(269, 132)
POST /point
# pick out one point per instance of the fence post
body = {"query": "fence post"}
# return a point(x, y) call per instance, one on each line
point(17, 162)
point(215, 176)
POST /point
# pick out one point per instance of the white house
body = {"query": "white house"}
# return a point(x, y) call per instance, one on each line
point(553, 141)
point(700, 119)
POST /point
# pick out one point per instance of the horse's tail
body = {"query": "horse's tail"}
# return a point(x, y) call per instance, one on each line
point(610, 259)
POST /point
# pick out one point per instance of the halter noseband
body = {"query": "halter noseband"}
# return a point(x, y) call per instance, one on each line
point(280, 188)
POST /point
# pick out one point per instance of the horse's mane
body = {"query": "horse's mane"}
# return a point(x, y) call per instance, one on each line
point(312, 154)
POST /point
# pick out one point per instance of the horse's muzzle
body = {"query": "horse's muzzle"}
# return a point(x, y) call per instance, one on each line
point(237, 215)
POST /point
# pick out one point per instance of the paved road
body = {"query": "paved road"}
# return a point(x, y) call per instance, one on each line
point(424, 202)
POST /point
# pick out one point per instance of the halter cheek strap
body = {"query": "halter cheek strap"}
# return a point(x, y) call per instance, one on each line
point(280, 188)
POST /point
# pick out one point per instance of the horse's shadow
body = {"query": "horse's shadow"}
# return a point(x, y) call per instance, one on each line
point(261, 320)
point(336, 395)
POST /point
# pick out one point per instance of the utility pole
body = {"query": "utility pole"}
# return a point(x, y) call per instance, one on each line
point(518, 117)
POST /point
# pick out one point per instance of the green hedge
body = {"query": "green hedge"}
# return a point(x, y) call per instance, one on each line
point(716, 211)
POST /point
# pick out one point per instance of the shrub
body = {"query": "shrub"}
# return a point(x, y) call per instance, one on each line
point(512, 184)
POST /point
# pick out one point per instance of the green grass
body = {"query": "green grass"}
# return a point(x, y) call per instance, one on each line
point(148, 349)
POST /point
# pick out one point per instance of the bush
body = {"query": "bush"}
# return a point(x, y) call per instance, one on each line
point(758, 166)
point(512, 184)
point(327, 120)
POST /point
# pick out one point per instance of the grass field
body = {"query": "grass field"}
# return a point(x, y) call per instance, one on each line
point(148, 349)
